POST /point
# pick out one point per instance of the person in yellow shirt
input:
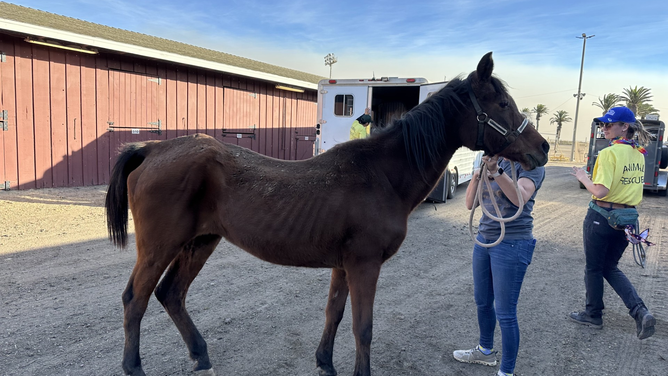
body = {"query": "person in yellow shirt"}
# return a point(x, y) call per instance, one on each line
point(617, 182)
point(360, 127)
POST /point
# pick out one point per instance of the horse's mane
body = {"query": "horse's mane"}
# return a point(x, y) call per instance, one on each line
point(423, 128)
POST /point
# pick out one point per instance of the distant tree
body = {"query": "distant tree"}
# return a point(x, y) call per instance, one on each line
point(636, 96)
point(645, 109)
point(539, 110)
point(527, 112)
point(609, 101)
point(560, 117)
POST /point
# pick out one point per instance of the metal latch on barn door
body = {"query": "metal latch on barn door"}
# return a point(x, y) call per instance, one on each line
point(135, 130)
point(4, 120)
point(238, 134)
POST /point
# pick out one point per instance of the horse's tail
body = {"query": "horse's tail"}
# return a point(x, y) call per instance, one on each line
point(116, 202)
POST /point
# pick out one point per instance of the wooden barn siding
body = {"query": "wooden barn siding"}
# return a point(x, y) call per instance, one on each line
point(61, 105)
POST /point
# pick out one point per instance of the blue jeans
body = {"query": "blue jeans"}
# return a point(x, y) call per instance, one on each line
point(603, 247)
point(498, 273)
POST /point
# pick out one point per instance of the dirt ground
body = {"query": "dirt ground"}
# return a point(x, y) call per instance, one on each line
point(61, 283)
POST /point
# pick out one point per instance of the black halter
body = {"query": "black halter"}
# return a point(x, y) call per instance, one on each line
point(483, 119)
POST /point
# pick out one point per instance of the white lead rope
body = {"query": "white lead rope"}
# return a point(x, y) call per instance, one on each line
point(498, 218)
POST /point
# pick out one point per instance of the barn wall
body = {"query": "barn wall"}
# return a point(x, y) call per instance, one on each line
point(68, 113)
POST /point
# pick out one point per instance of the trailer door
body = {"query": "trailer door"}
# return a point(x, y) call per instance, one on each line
point(429, 89)
point(341, 105)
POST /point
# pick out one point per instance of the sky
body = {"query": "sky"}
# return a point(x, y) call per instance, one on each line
point(537, 45)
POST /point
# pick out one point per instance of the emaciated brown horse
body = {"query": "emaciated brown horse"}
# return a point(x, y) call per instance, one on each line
point(346, 209)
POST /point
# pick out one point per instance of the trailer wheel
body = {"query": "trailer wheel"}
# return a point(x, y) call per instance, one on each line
point(452, 184)
point(662, 193)
point(664, 157)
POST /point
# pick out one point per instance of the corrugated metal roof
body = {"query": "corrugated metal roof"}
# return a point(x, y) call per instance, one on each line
point(45, 19)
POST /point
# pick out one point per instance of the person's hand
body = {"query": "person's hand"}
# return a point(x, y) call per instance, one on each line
point(579, 173)
point(491, 163)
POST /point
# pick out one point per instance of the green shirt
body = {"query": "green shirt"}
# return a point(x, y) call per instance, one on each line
point(357, 131)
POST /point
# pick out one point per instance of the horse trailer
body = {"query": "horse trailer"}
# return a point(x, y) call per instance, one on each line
point(341, 101)
point(656, 159)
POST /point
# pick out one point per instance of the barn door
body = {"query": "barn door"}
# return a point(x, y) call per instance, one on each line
point(133, 113)
point(305, 129)
point(8, 166)
point(241, 118)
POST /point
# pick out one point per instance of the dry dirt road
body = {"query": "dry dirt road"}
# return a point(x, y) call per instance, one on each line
point(61, 311)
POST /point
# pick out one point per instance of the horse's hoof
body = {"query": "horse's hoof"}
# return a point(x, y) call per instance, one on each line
point(328, 371)
point(205, 372)
point(136, 372)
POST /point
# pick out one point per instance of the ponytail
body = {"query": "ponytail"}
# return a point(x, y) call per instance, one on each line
point(638, 129)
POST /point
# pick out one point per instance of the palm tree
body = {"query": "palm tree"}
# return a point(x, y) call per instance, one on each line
point(560, 117)
point(539, 110)
point(527, 112)
point(609, 101)
point(645, 109)
point(636, 96)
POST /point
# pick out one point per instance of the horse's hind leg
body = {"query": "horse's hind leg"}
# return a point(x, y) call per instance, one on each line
point(336, 303)
point(172, 291)
point(143, 280)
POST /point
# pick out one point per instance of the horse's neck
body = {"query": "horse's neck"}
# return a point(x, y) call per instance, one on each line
point(405, 177)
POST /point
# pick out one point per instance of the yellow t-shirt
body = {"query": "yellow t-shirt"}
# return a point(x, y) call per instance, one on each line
point(621, 169)
point(357, 130)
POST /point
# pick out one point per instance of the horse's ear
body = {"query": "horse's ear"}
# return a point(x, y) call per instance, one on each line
point(485, 67)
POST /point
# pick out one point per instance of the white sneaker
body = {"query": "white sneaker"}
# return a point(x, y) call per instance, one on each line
point(475, 356)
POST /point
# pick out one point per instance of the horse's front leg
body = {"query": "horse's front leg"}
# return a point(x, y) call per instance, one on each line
point(336, 303)
point(362, 279)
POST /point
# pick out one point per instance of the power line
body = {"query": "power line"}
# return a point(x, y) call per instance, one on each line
point(554, 92)
point(567, 100)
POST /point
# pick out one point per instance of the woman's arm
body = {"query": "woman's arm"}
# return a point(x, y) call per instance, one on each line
point(472, 189)
point(598, 190)
point(525, 185)
point(505, 182)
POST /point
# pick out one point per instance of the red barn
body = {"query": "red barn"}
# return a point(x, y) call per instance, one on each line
point(71, 92)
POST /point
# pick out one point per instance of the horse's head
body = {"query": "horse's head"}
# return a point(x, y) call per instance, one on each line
point(495, 125)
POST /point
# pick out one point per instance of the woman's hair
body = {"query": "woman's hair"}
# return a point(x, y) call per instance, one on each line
point(637, 129)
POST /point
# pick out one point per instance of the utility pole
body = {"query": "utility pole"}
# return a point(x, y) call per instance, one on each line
point(579, 95)
point(329, 60)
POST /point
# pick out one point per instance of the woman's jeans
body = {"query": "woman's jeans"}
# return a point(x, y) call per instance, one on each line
point(603, 247)
point(498, 273)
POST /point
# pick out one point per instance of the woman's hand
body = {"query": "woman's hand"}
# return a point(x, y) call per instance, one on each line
point(580, 174)
point(491, 162)
point(598, 190)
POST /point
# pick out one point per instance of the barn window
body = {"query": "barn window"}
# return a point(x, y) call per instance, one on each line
point(343, 105)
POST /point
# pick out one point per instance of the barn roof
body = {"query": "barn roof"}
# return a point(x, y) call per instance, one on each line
point(30, 22)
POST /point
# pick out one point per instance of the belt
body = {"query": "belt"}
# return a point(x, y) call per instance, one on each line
point(611, 205)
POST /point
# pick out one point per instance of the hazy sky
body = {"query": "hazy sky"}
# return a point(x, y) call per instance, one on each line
point(535, 44)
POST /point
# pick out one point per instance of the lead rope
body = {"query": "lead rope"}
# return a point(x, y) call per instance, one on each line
point(639, 255)
point(498, 218)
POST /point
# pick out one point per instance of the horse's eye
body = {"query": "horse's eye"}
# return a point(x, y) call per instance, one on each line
point(504, 104)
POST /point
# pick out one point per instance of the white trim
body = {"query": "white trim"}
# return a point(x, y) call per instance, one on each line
point(87, 40)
